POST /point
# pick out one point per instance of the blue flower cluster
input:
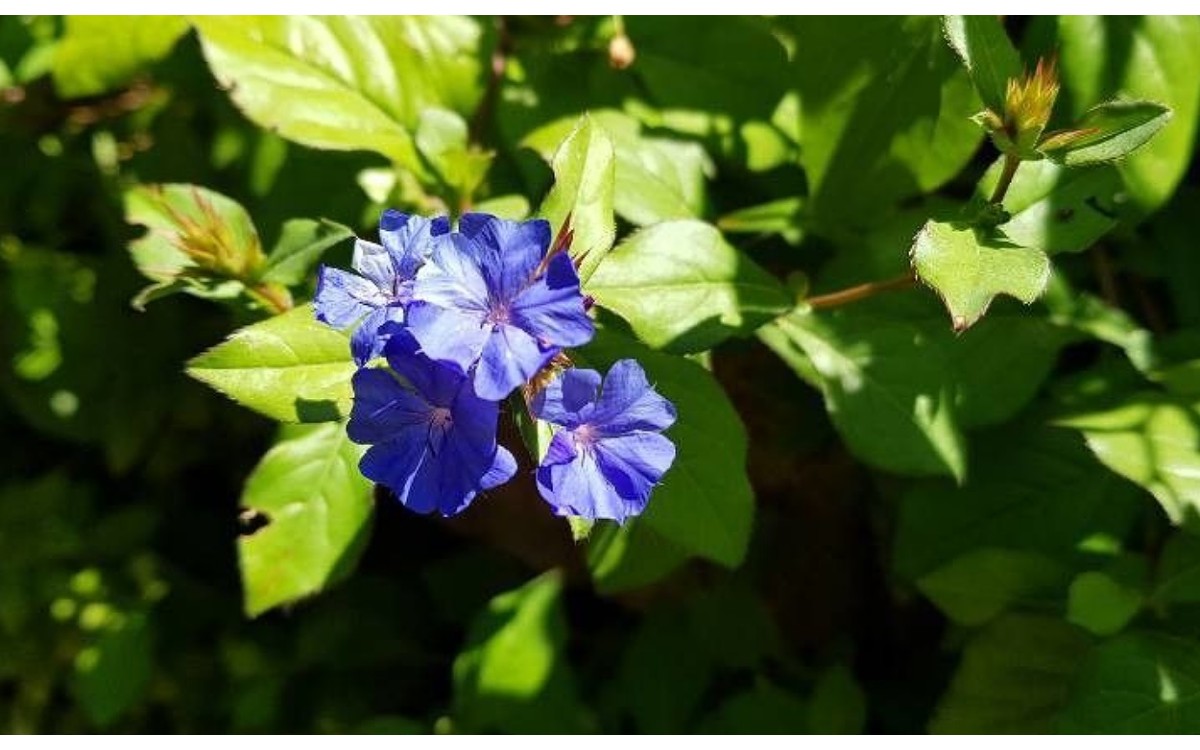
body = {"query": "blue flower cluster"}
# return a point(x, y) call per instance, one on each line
point(463, 318)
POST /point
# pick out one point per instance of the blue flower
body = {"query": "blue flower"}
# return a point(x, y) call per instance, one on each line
point(433, 441)
point(489, 296)
point(609, 453)
point(380, 294)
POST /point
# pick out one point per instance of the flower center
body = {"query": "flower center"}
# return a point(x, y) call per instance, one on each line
point(585, 435)
point(498, 314)
point(441, 418)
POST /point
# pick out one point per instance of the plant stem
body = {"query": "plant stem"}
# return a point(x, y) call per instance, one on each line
point(862, 291)
point(1006, 177)
point(274, 298)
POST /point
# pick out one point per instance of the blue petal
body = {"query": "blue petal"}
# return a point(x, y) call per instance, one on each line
point(396, 464)
point(509, 358)
point(344, 298)
point(628, 402)
point(565, 400)
point(551, 309)
point(512, 250)
point(447, 335)
point(375, 263)
point(503, 467)
point(383, 409)
point(451, 278)
point(438, 383)
point(407, 238)
point(452, 478)
point(368, 340)
point(561, 449)
point(578, 489)
point(633, 464)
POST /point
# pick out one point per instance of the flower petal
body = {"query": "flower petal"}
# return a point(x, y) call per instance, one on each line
point(407, 239)
point(566, 400)
point(437, 382)
point(551, 309)
point(383, 408)
point(452, 278)
point(628, 402)
point(633, 464)
point(561, 449)
point(448, 334)
point(344, 298)
point(375, 263)
point(395, 464)
point(503, 467)
point(516, 250)
point(368, 340)
point(510, 357)
point(578, 489)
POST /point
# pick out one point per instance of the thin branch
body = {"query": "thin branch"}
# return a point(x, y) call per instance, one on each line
point(862, 291)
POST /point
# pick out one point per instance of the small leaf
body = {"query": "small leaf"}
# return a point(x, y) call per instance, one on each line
point(1178, 574)
point(1015, 676)
point(581, 199)
point(1108, 132)
point(630, 556)
point(967, 274)
point(883, 386)
point(1100, 604)
point(317, 508)
point(989, 55)
point(112, 674)
point(442, 138)
point(1138, 683)
point(681, 286)
point(983, 583)
point(1152, 439)
point(300, 246)
point(98, 54)
point(780, 217)
point(512, 675)
point(290, 367)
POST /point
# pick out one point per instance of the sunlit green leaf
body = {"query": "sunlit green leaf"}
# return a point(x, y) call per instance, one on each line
point(990, 57)
point(315, 508)
point(1111, 131)
point(300, 246)
point(100, 53)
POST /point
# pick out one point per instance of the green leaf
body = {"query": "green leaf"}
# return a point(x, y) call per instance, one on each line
point(705, 504)
point(838, 705)
point(1015, 501)
point(780, 217)
point(967, 272)
point(582, 196)
point(987, 52)
point(1056, 209)
point(442, 138)
point(1100, 604)
point(301, 244)
point(883, 387)
point(512, 674)
point(1110, 131)
point(1152, 58)
point(1015, 677)
point(112, 673)
point(763, 709)
point(347, 82)
point(1152, 439)
point(1139, 683)
point(316, 507)
point(291, 368)
point(656, 178)
point(682, 287)
point(631, 556)
point(983, 583)
point(196, 236)
point(1177, 580)
point(884, 110)
point(98, 54)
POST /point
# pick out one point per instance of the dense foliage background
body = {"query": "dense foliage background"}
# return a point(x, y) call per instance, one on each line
point(876, 523)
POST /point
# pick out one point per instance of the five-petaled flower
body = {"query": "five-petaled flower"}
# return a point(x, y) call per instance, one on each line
point(609, 453)
point(433, 441)
point(489, 299)
point(384, 288)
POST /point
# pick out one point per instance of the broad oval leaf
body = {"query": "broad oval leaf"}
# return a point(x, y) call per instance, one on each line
point(317, 511)
point(968, 273)
point(1108, 132)
point(347, 82)
point(290, 367)
point(705, 504)
point(98, 54)
point(682, 287)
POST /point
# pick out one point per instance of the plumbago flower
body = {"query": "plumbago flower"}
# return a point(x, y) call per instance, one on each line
point(609, 453)
point(491, 300)
point(433, 441)
point(380, 294)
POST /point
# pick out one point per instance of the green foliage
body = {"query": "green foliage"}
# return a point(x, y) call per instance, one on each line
point(876, 520)
point(289, 367)
point(315, 508)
